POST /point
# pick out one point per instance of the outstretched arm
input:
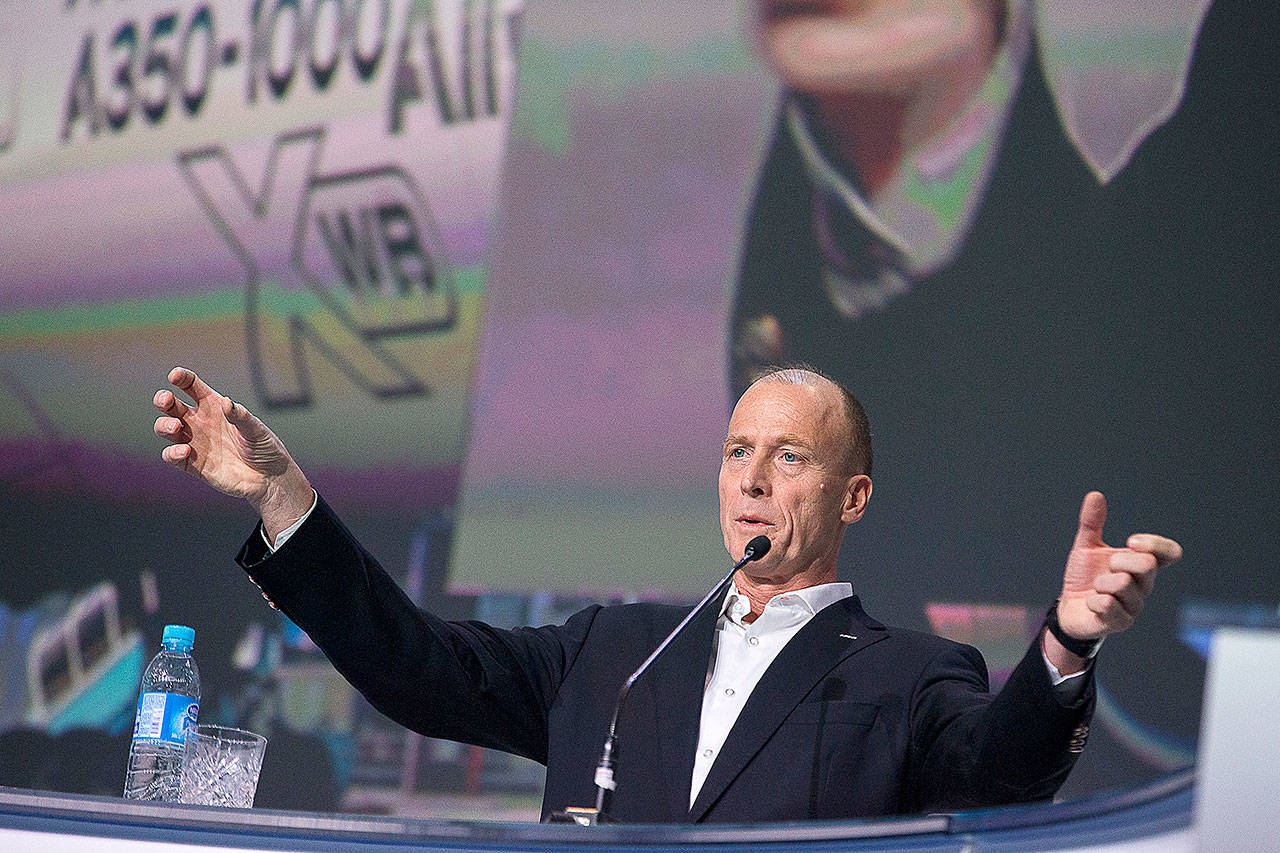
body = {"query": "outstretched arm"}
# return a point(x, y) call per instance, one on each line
point(220, 442)
point(1104, 588)
point(974, 751)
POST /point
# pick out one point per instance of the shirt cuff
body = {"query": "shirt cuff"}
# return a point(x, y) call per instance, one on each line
point(284, 535)
point(1067, 687)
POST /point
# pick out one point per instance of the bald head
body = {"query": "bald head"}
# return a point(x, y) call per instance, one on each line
point(858, 442)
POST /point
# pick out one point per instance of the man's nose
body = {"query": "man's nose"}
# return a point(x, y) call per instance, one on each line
point(755, 478)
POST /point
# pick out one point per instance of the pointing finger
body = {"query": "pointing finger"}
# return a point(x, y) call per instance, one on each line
point(194, 386)
point(1093, 514)
point(1166, 551)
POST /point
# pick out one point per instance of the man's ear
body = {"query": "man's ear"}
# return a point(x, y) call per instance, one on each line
point(856, 496)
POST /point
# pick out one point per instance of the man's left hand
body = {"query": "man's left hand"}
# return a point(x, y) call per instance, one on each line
point(1104, 588)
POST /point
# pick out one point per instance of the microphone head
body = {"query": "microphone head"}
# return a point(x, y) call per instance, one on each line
point(757, 547)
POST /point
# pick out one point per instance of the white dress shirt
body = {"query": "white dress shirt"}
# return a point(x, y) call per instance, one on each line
point(283, 536)
point(740, 656)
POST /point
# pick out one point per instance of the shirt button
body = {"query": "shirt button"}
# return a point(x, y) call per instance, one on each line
point(707, 753)
point(728, 691)
point(755, 641)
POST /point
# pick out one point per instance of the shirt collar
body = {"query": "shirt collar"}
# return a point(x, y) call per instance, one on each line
point(810, 600)
point(923, 213)
point(1115, 74)
point(1116, 71)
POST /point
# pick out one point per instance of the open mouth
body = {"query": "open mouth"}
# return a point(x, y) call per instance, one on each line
point(753, 521)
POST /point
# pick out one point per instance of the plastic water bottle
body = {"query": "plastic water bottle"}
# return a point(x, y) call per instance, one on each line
point(167, 708)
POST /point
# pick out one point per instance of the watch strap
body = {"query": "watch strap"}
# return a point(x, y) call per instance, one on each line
point(1086, 649)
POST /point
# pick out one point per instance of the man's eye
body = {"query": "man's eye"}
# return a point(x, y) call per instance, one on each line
point(789, 456)
point(737, 453)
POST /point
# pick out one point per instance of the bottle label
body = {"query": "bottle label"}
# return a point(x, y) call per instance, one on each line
point(165, 717)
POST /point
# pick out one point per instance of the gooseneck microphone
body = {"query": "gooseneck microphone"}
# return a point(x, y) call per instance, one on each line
point(605, 782)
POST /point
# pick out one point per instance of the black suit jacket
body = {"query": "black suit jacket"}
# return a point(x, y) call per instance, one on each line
point(852, 719)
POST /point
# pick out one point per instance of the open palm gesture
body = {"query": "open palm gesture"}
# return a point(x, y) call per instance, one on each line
point(220, 442)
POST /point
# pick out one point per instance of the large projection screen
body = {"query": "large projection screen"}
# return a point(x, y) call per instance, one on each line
point(496, 271)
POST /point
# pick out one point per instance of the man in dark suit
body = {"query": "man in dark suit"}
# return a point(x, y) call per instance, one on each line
point(789, 702)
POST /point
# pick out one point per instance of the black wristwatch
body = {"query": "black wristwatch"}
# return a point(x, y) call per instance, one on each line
point(1086, 649)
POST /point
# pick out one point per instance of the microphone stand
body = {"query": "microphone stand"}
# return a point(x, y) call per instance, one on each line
point(605, 783)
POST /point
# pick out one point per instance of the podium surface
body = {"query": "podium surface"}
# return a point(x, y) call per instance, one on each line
point(1159, 816)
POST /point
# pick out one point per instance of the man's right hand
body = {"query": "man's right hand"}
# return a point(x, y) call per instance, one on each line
point(220, 442)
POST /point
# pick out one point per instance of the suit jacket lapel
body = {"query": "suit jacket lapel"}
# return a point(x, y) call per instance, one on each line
point(678, 679)
point(832, 635)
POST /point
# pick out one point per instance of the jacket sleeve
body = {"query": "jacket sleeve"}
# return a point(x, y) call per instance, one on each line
point(973, 750)
point(463, 681)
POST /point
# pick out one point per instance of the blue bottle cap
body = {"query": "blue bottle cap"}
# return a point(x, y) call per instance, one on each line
point(179, 635)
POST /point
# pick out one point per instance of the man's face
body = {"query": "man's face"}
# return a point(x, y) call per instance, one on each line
point(883, 47)
point(785, 474)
